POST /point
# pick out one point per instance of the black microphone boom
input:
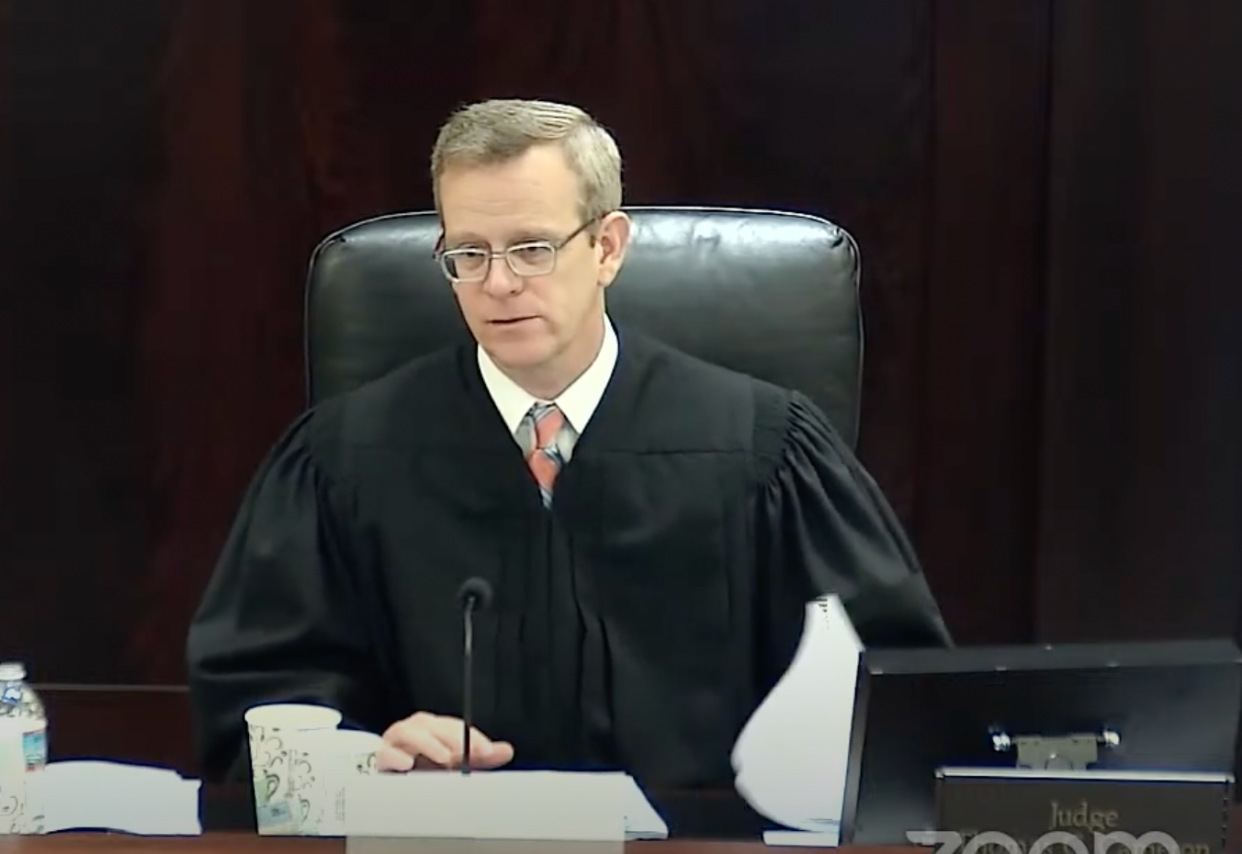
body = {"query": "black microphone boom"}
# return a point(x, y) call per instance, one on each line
point(475, 595)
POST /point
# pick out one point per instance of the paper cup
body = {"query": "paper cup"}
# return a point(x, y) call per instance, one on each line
point(13, 816)
point(272, 730)
point(325, 763)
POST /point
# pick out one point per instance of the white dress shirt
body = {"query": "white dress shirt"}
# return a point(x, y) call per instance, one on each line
point(577, 403)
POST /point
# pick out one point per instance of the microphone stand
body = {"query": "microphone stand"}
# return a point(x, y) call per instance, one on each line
point(475, 594)
point(467, 700)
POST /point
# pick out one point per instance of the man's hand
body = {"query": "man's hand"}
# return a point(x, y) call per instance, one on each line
point(426, 740)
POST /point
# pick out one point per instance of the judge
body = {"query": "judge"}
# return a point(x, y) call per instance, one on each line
point(652, 526)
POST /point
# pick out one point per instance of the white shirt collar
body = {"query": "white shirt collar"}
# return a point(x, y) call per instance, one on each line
point(577, 402)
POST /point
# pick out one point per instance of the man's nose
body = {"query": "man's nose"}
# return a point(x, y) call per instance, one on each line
point(500, 280)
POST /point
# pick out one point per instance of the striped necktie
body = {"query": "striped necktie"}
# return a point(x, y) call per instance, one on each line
point(545, 458)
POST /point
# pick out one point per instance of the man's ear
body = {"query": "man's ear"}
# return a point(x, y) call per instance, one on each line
point(612, 240)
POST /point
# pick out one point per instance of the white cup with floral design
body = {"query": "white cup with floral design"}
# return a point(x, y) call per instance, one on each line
point(280, 788)
point(326, 762)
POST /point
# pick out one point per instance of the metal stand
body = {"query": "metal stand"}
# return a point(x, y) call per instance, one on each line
point(1075, 752)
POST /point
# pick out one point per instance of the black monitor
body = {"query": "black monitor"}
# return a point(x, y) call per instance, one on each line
point(1143, 706)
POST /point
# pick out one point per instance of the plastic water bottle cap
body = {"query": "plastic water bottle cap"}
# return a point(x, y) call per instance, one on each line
point(12, 671)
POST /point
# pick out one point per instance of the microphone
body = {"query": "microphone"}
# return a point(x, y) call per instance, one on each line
point(475, 595)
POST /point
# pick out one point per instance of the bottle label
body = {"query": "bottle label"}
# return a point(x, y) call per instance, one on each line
point(35, 744)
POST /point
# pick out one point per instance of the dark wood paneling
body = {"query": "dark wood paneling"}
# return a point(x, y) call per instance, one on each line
point(142, 724)
point(979, 379)
point(1142, 464)
point(1045, 194)
point(78, 106)
point(165, 343)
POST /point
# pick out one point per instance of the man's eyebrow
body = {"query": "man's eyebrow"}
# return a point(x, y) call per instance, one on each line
point(467, 239)
point(533, 233)
point(521, 235)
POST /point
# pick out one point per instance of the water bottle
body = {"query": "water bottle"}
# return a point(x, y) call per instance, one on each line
point(19, 700)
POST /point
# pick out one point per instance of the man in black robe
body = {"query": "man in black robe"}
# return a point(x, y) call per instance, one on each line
point(652, 526)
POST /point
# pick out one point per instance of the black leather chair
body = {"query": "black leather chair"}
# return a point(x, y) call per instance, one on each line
point(770, 294)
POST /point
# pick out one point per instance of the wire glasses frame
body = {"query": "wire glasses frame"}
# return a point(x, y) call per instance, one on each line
point(525, 259)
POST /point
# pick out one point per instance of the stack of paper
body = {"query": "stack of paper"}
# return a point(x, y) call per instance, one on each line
point(792, 754)
point(512, 805)
point(641, 819)
point(111, 796)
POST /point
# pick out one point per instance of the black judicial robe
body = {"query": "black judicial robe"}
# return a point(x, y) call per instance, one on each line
point(636, 624)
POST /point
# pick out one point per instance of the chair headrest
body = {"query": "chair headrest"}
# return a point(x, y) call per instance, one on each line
point(770, 294)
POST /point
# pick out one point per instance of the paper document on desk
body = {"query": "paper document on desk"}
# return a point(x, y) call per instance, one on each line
point(641, 819)
point(543, 805)
point(791, 757)
point(111, 796)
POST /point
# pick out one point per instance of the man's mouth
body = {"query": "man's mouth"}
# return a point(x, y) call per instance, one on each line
point(510, 321)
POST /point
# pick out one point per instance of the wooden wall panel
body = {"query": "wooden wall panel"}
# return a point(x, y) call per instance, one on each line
point(142, 724)
point(1142, 461)
point(979, 371)
point(238, 134)
point(1044, 192)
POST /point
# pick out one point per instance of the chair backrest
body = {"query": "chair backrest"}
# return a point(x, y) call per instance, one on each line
point(770, 294)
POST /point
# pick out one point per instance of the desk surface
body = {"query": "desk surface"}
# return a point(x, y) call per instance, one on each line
point(225, 809)
point(242, 843)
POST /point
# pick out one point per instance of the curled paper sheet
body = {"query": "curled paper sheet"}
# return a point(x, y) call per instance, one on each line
point(790, 759)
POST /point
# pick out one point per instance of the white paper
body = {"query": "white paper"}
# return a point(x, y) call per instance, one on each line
point(124, 798)
point(800, 839)
point(641, 819)
point(531, 805)
point(791, 757)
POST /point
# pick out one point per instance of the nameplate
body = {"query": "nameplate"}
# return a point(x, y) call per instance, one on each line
point(488, 805)
point(1025, 811)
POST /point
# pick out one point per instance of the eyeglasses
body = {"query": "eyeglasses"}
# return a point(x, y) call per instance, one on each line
point(530, 258)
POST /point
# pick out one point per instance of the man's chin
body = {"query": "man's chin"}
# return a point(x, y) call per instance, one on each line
point(518, 355)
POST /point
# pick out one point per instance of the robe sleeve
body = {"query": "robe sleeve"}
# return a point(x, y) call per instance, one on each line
point(281, 619)
point(825, 528)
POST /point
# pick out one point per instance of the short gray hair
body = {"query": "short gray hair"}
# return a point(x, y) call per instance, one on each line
point(496, 131)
